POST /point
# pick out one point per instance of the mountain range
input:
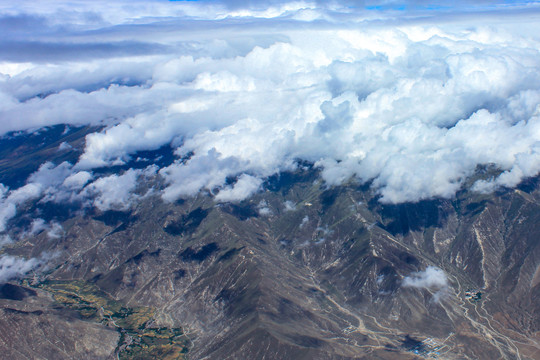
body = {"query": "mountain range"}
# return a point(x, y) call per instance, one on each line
point(300, 270)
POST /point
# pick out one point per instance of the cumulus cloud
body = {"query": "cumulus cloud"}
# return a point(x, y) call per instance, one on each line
point(413, 104)
point(243, 188)
point(77, 180)
point(432, 278)
point(9, 200)
point(263, 208)
point(37, 226)
point(65, 184)
point(7, 212)
point(44, 184)
point(64, 146)
point(114, 192)
point(289, 205)
point(12, 267)
point(53, 229)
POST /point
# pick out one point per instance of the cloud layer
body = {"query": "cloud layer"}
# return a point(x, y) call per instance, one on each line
point(412, 100)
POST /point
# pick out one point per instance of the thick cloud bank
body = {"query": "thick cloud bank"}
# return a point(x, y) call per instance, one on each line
point(412, 100)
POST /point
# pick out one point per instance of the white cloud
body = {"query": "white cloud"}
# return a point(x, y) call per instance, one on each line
point(9, 200)
point(7, 211)
point(77, 180)
point(64, 146)
point(289, 205)
point(49, 175)
point(222, 82)
point(263, 208)
point(48, 183)
point(13, 267)
point(244, 187)
point(64, 184)
point(412, 106)
point(37, 226)
point(27, 192)
point(114, 192)
point(55, 230)
point(432, 278)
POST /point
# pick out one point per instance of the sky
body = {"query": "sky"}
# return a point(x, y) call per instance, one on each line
point(412, 97)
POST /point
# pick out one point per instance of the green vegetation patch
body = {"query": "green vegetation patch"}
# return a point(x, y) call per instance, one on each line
point(138, 339)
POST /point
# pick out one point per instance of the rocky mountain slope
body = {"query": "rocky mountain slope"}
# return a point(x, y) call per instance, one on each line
point(298, 271)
